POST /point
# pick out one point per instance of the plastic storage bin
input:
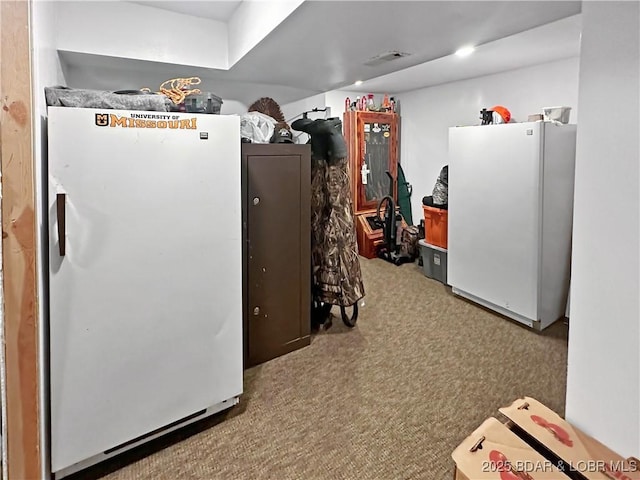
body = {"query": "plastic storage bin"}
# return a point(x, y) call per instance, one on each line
point(558, 114)
point(204, 102)
point(435, 226)
point(434, 261)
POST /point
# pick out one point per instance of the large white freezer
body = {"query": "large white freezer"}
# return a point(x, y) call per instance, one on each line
point(510, 217)
point(145, 293)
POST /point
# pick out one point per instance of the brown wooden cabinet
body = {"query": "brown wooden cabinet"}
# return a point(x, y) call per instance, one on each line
point(372, 142)
point(276, 223)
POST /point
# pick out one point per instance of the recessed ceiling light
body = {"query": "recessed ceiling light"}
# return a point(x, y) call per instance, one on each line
point(465, 51)
point(357, 83)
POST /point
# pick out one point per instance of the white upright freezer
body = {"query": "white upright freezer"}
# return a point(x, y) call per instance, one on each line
point(510, 217)
point(145, 292)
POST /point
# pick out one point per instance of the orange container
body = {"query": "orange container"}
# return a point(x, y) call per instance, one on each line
point(435, 226)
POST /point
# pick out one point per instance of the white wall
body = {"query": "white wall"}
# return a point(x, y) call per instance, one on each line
point(233, 107)
point(603, 385)
point(293, 111)
point(122, 29)
point(252, 21)
point(427, 114)
point(46, 72)
point(334, 100)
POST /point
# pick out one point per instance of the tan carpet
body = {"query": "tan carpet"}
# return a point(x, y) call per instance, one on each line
point(389, 399)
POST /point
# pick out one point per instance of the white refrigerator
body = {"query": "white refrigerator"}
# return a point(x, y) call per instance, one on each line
point(510, 218)
point(145, 292)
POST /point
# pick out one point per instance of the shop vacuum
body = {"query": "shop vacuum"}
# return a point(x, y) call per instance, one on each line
point(391, 222)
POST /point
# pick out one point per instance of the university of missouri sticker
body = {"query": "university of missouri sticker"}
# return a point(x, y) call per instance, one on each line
point(102, 120)
point(145, 120)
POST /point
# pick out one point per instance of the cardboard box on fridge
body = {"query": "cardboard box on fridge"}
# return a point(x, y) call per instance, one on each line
point(535, 442)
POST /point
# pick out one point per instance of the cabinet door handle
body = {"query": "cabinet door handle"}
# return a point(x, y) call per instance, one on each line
point(60, 206)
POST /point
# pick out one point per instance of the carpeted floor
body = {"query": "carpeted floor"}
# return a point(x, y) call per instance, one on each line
point(389, 399)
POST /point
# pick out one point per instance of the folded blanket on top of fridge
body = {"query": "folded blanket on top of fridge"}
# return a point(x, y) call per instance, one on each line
point(59, 96)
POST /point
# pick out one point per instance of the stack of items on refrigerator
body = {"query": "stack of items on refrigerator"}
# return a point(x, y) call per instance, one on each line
point(433, 248)
point(173, 95)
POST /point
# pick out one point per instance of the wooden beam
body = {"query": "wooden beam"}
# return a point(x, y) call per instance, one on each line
point(19, 244)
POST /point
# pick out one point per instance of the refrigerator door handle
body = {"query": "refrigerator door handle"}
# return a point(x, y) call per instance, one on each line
point(61, 208)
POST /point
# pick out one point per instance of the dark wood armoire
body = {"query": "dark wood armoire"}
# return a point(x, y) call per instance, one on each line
point(372, 142)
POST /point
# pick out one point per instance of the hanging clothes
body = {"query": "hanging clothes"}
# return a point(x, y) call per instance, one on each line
point(337, 277)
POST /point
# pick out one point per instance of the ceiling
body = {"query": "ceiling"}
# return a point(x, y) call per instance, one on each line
point(553, 41)
point(221, 10)
point(324, 45)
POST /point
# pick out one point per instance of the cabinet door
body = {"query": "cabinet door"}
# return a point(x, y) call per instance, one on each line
point(278, 277)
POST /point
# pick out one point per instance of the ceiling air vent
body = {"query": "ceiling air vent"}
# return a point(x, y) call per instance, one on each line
point(384, 58)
